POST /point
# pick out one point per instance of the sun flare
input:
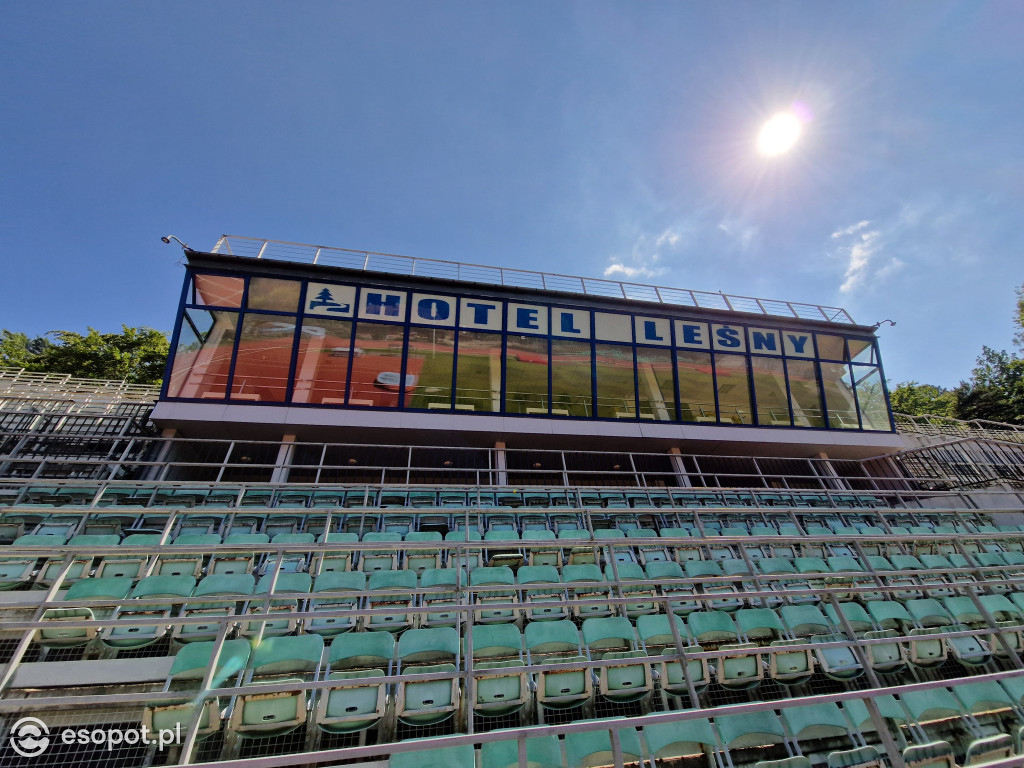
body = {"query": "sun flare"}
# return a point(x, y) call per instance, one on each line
point(779, 134)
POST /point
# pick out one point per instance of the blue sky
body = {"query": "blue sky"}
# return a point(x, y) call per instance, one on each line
point(590, 138)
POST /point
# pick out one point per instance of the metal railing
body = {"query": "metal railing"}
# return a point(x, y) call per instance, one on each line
point(371, 261)
point(945, 426)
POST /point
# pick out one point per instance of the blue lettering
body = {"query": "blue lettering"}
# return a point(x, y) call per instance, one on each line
point(728, 337)
point(480, 312)
point(526, 318)
point(691, 334)
point(798, 342)
point(433, 309)
point(568, 324)
point(651, 331)
point(375, 302)
point(763, 340)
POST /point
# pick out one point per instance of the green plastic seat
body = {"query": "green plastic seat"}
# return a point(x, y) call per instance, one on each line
point(386, 559)
point(218, 585)
point(558, 642)
point(680, 738)
point(421, 560)
point(392, 590)
point(494, 576)
point(429, 701)
point(299, 654)
point(542, 751)
point(753, 729)
point(862, 757)
point(854, 613)
point(290, 562)
point(543, 603)
point(338, 614)
point(187, 564)
point(358, 701)
point(742, 669)
point(59, 635)
point(439, 757)
point(497, 651)
point(126, 564)
point(760, 624)
point(815, 722)
point(588, 749)
point(437, 606)
point(335, 560)
point(934, 754)
point(240, 562)
point(129, 635)
point(575, 577)
point(283, 607)
point(712, 627)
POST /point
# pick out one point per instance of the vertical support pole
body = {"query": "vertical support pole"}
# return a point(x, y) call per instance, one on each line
point(679, 467)
point(500, 464)
point(283, 463)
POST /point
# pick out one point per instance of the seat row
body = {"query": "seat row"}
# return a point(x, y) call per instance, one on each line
point(478, 498)
point(367, 683)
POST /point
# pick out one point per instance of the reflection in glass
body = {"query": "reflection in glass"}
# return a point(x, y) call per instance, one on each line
point(526, 374)
point(616, 393)
point(322, 369)
point(696, 386)
point(432, 354)
point(218, 291)
point(770, 391)
point(842, 406)
point(278, 295)
point(874, 412)
point(263, 359)
point(657, 386)
point(862, 351)
point(733, 380)
point(806, 397)
point(571, 378)
point(377, 366)
point(831, 347)
point(202, 358)
point(478, 372)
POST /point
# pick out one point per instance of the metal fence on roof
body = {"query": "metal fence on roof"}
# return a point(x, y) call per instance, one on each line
point(370, 261)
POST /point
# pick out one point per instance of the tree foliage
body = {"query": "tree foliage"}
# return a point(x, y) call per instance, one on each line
point(916, 399)
point(136, 355)
point(995, 391)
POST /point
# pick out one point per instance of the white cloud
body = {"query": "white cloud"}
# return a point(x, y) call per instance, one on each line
point(739, 231)
point(646, 253)
point(862, 250)
point(851, 230)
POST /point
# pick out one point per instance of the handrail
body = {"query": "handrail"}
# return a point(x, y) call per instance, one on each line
point(371, 261)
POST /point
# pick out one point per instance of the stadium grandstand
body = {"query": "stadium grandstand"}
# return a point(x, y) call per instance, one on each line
point(400, 512)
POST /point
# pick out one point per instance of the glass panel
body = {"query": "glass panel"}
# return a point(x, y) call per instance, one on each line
point(696, 386)
point(874, 413)
point(377, 366)
point(432, 354)
point(478, 372)
point(571, 377)
point(202, 360)
point(264, 358)
point(733, 379)
point(526, 374)
point(268, 293)
point(842, 408)
point(616, 393)
point(862, 351)
point(770, 391)
point(803, 388)
point(657, 385)
point(322, 369)
point(831, 347)
point(218, 291)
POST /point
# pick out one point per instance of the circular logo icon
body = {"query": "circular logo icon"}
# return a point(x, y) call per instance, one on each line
point(30, 737)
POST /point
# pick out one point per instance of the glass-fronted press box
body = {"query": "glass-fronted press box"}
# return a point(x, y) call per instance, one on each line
point(360, 340)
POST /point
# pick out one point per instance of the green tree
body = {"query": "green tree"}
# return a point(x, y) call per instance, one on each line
point(916, 399)
point(136, 355)
point(19, 351)
point(995, 390)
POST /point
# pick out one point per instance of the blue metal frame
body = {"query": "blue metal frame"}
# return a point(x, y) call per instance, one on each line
point(407, 323)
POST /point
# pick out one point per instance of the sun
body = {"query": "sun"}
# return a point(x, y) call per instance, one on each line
point(779, 134)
